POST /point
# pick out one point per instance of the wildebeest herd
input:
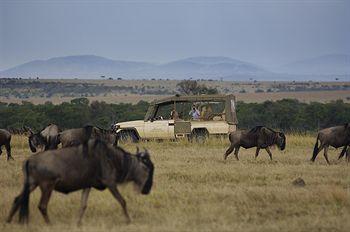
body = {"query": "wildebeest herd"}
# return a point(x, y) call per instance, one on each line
point(90, 157)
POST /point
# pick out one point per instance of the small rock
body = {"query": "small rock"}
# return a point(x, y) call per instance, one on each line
point(299, 182)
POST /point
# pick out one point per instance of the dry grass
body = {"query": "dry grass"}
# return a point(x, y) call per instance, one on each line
point(223, 86)
point(195, 190)
point(302, 96)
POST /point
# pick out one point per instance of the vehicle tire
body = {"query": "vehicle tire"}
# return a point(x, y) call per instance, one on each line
point(200, 136)
point(128, 135)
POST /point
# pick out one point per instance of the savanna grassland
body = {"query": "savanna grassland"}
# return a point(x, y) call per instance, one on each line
point(195, 190)
point(132, 91)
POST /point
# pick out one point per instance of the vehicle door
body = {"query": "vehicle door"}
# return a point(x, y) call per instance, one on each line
point(160, 125)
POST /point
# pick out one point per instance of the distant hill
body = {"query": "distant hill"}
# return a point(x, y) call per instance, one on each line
point(332, 64)
point(212, 67)
point(89, 66)
point(84, 66)
point(328, 67)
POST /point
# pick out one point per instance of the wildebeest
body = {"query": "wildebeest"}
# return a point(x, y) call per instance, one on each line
point(337, 136)
point(109, 136)
point(45, 139)
point(70, 169)
point(260, 137)
point(5, 140)
point(72, 137)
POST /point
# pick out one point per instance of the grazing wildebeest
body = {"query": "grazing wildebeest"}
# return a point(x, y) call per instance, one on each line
point(337, 136)
point(109, 136)
point(260, 137)
point(70, 169)
point(77, 136)
point(5, 140)
point(45, 139)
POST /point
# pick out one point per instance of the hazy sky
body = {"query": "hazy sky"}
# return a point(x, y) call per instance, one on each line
point(269, 33)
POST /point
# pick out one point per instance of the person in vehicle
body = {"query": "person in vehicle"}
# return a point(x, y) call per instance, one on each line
point(194, 113)
point(174, 115)
point(207, 113)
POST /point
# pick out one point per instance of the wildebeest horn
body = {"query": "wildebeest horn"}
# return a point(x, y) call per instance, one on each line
point(28, 129)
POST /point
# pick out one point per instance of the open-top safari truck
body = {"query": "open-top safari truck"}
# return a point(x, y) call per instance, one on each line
point(171, 118)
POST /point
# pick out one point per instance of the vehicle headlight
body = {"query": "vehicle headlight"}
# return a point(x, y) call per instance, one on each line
point(115, 127)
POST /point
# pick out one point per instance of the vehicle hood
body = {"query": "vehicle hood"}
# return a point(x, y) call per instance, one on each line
point(128, 124)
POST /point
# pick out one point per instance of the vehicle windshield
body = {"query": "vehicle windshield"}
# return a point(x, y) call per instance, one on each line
point(163, 112)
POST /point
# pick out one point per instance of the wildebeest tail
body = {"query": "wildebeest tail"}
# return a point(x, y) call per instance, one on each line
point(314, 154)
point(24, 204)
point(230, 137)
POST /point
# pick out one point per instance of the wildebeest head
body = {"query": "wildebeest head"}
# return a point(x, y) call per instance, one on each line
point(281, 140)
point(144, 172)
point(36, 141)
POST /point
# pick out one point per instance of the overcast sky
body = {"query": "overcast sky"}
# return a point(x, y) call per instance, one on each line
point(268, 33)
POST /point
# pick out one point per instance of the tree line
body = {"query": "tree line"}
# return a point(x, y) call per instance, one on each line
point(286, 114)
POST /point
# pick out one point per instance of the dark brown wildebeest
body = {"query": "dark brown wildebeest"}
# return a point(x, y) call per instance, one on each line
point(337, 136)
point(107, 135)
point(5, 140)
point(73, 137)
point(260, 137)
point(70, 169)
point(46, 139)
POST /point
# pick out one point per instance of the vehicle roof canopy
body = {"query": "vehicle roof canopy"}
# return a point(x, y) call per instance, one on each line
point(193, 98)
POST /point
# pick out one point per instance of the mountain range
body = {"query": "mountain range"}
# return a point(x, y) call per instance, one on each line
point(213, 67)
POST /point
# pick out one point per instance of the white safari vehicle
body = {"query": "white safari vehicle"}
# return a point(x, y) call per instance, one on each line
point(176, 117)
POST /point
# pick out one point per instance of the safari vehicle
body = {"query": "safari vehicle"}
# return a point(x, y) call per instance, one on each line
point(170, 118)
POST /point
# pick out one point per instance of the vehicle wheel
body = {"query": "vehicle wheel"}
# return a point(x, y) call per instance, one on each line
point(128, 135)
point(200, 136)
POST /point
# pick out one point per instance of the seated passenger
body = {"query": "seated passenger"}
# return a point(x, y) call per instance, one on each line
point(174, 115)
point(194, 113)
point(207, 113)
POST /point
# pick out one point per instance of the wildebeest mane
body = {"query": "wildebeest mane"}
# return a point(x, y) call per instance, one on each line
point(258, 129)
point(121, 162)
point(269, 138)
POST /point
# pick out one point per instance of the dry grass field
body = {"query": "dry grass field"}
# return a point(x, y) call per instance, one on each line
point(306, 91)
point(302, 96)
point(195, 190)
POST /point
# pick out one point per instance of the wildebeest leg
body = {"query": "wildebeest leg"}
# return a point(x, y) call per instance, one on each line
point(0, 149)
point(229, 151)
point(325, 154)
point(342, 153)
point(269, 152)
point(236, 152)
point(46, 190)
point(17, 203)
point(316, 153)
point(84, 198)
point(257, 152)
point(121, 201)
point(8, 151)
